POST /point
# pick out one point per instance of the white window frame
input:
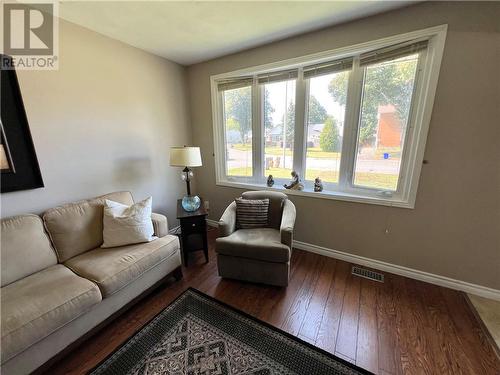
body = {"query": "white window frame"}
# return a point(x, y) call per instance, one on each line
point(418, 122)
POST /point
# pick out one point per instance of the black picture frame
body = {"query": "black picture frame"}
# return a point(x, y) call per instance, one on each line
point(18, 162)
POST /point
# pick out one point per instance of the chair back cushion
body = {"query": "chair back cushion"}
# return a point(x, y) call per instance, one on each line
point(276, 201)
point(252, 213)
point(75, 228)
point(25, 249)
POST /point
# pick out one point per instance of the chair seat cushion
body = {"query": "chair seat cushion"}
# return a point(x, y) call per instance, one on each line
point(37, 305)
point(114, 268)
point(261, 244)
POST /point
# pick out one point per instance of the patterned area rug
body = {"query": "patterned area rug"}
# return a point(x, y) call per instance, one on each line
point(197, 335)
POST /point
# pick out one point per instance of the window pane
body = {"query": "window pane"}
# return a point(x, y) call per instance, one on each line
point(279, 123)
point(238, 127)
point(325, 126)
point(387, 93)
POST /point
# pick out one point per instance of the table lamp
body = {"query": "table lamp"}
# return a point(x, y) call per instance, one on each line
point(187, 157)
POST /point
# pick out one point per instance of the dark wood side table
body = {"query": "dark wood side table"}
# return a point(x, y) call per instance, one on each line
point(193, 231)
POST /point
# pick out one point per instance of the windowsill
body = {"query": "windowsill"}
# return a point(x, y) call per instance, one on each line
point(341, 196)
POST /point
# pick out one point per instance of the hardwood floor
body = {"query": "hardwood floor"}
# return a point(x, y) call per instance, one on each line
point(402, 326)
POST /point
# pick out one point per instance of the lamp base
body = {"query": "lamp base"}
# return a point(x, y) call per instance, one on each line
point(191, 203)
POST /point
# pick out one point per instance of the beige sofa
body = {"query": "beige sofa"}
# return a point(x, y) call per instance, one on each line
point(57, 284)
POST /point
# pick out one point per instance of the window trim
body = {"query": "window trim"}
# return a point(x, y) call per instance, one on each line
point(418, 122)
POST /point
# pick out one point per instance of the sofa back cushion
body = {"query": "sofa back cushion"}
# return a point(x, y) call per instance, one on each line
point(75, 228)
point(276, 202)
point(25, 249)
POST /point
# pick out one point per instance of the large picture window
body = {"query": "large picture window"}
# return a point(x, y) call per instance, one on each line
point(356, 118)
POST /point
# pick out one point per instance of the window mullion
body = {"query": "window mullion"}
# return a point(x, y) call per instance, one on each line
point(257, 132)
point(300, 125)
point(351, 125)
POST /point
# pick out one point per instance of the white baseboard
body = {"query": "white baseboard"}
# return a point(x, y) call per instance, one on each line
point(411, 273)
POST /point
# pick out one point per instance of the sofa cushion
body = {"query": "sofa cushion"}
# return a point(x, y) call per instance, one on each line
point(261, 244)
point(114, 268)
point(36, 306)
point(77, 227)
point(276, 201)
point(25, 248)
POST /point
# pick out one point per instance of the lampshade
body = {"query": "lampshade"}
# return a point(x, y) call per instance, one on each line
point(185, 157)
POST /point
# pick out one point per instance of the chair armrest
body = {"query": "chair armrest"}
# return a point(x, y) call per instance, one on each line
point(227, 222)
point(287, 223)
point(160, 224)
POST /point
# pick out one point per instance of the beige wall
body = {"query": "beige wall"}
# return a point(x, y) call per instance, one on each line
point(103, 122)
point(454, 229)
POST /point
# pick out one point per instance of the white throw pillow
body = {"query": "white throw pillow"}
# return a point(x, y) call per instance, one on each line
point(125, 225)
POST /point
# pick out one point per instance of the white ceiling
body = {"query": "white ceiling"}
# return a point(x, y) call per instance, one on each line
point(190, 32)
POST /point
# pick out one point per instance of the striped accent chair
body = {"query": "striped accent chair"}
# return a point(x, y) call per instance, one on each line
point(258, 248)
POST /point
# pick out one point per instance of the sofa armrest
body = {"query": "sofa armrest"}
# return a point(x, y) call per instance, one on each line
point(287, 223)
point(227, 223)
point(160, 224)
